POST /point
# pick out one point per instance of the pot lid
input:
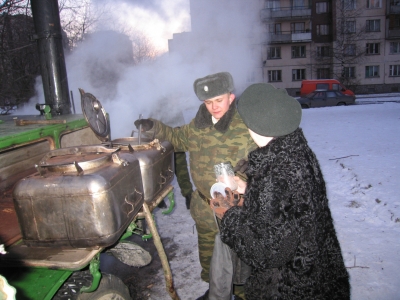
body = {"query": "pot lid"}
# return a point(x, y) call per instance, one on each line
point(95, 115)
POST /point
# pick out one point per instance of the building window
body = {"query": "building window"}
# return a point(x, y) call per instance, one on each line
point(275, 28)
point(322, 29)
point(323, 73)
point(394, 48)
point(323, 51)
point(274, 53)
point(394, 70)
point(322, 7)
point(373, 25)
point(298, 74)
point(349, 27)
point(372, 48)
point(298, 4)
point(349, 4)
point(298, 51)
point(274, 75)
point(372, 71)
point(395, 21)
point(349, 50)
point(349, 72)
point(374, 3)
point(274, 5)
point(297, 27)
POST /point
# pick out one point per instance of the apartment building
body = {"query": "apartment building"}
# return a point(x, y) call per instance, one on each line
point(354, 41)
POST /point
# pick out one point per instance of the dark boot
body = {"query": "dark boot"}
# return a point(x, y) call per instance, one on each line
point(188, 199)
point(204, 297)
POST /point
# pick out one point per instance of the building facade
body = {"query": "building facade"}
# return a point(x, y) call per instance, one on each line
point(354, 41)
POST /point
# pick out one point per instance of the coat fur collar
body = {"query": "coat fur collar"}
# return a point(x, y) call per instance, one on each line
point(203, 118)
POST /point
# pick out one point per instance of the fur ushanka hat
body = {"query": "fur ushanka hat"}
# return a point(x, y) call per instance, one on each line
point(213, 85)
point(269, 111)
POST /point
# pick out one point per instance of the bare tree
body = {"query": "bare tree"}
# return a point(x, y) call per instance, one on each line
point(14, 7)
point(19, 63)
point(143, 48)
point(78, 18)
point(348, 46)
point(347, 49)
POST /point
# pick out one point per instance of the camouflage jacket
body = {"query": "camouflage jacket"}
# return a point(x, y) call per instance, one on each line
point(208, 144)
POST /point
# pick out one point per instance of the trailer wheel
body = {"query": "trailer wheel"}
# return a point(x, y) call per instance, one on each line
point(110, 287)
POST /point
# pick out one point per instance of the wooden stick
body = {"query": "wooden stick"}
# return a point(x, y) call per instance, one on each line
point(343, 157)
point(20, 122)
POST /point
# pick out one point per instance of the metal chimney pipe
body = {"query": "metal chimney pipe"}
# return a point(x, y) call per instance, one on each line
point(46, 19)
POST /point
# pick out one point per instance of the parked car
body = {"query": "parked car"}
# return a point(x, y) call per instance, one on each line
point(308, 86)
point(321, 98)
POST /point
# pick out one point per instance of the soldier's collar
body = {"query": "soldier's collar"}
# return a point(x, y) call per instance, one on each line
point(203, 118)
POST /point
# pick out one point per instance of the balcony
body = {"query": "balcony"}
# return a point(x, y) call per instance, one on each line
point(393, 33)
point(289, 37)
point(394, 7)
point(298, 12)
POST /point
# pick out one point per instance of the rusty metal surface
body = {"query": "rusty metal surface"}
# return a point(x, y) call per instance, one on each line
point(9, 228)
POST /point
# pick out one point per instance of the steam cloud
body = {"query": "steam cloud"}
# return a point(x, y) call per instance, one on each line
point(221, 39)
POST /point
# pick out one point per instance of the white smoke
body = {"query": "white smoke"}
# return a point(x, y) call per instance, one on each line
point(221, 40)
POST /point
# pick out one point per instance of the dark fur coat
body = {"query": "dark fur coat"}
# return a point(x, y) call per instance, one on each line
point(285, 229)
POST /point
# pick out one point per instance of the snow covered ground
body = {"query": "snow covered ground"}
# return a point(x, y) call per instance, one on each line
point(358, 148)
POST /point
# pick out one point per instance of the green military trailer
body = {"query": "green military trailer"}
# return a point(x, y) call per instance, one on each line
point(68, 192)
point(42, 161)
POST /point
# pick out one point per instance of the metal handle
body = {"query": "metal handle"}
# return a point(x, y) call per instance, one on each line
point(118, 160)
point(78, 168)
point(132, 204)
point(164, 179)
point(171, 172)
point(40, 170)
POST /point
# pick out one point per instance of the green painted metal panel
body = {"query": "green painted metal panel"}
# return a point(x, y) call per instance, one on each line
point(13, 135)
point(36, 283)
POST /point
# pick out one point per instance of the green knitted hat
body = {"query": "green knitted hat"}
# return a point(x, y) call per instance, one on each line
point(213, 85)
point(269, 111)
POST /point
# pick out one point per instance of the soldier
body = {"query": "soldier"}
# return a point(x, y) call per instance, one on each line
point(217, 134)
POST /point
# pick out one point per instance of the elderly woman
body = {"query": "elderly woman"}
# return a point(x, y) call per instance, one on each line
point(284, 230)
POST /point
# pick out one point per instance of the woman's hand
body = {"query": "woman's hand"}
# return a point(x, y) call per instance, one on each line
point(221, 204)
point(241, 185)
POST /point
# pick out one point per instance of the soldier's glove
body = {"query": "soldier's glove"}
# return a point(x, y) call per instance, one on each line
point(188, 199)
point(221, 204)
point(240, 169)
point(147, 124)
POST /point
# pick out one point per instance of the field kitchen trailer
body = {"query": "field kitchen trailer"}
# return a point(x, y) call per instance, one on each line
point(68, 191)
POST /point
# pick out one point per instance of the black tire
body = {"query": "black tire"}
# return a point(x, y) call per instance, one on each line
point(341, 104)
point(110, 287)
point(304, 106)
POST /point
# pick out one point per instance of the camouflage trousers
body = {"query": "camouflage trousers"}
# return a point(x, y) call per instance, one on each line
point(182, 174)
